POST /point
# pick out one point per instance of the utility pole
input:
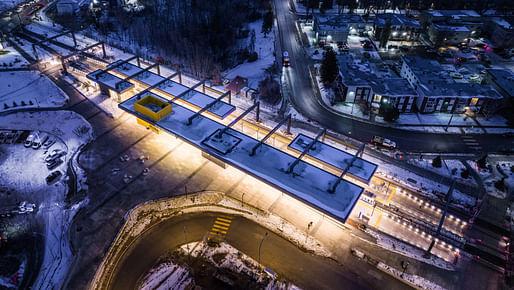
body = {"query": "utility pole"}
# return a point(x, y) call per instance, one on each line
point(449, 198)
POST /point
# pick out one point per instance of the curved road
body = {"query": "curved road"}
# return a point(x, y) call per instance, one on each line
point(305, 270)
point(303, 99)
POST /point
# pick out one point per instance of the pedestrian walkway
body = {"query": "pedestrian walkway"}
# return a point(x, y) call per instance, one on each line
point(220, 228)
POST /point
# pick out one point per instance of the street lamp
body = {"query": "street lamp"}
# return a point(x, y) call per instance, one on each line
point(260, 245)
point(242, 197)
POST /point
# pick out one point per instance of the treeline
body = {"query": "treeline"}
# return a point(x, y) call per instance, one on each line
point(206, 36)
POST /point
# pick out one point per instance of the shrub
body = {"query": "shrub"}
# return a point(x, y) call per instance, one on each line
point(465, 173)
point(436, 162)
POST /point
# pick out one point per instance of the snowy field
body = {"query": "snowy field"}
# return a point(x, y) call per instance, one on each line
point(75, 134)
point(28, 89)
point(254, 71)
point(10, 58)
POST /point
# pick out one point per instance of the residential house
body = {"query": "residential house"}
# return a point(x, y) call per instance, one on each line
point(438, 92)
point(336, 28)
point(403, 28)
point(363, 83)
point(236, 85)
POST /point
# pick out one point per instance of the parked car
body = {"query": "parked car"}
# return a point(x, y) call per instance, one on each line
point(57, 153)
point(49, 142)
point(39, 140)
point(9, 137)
point(381, 141)
point(30, 139)
point(53, 177)
point(456, 75)
point(54, 163)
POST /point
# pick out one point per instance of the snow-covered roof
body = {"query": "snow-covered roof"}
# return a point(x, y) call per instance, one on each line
point(172, 88)
point(452, 13)
point(360, 169)
point(509, 25)
point(308, 183)
point(362, 74)
point(445, 27)
point(504, 79)
point(396, 20)
point(109, 80)
point(341, 22)
point(220, 109)
point(435, 81)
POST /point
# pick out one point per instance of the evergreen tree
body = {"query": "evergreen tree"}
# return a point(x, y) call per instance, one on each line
point(436, 162)
point(327, 4)
point(465, 173)
point(389, 111)
point(252, 40)
point(500, 184)
point(267, 23)
point(329, 68)
point(482, 162)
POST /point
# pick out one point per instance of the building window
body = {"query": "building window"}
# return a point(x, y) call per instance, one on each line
point(377, 98)
point(474, 101)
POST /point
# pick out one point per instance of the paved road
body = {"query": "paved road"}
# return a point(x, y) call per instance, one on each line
point(303, 99)
point(306, 270)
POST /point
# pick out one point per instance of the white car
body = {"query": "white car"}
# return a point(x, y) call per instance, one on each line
point(30, 139)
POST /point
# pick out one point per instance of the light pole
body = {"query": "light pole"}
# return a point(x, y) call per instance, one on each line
point(260, 245)
point(185, 233)
point(242, 197)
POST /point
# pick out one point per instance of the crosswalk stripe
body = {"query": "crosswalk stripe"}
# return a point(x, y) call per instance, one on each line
point(221, 223)
point(227, 217)
point(218, 230)
point(224, 220)
point(472, 143)
point(220, 227)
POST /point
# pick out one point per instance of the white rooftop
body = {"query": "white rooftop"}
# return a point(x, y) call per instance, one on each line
point(308, 183)
point(360, 169)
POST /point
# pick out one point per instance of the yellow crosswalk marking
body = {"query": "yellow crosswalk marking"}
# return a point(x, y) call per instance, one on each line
point(224, 220)
point(218, 230)
point(220, 227)
point(221, 223)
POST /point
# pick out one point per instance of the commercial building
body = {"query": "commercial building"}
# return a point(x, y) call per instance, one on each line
point(438, 92)
point(364, 83)
point(458, 25)
point(336, 28)
point(402, 27)
point(500, 31)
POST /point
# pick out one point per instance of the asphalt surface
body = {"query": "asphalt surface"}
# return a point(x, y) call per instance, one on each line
point(306, 270)
point(306, 102)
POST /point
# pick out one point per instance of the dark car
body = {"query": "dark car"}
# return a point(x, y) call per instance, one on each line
point(53, 177)
point(54, 163)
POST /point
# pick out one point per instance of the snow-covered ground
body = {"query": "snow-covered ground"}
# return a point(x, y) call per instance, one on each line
point(264, 46)
point(417, 281)
point(12, 59)
point(73, 135)
point(169, 275)
point(28, 89)
point(8, 4)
